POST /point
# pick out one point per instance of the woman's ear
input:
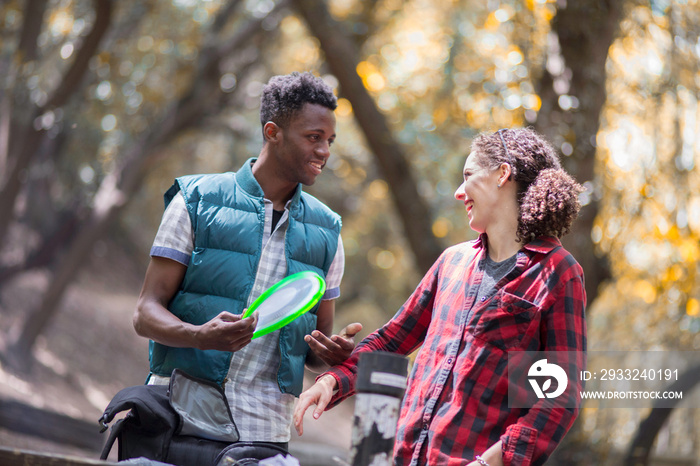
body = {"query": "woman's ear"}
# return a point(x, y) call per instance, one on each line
point(504, 173)
point(272, 132)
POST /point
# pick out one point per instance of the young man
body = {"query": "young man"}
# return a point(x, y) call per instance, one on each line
point(224, 239)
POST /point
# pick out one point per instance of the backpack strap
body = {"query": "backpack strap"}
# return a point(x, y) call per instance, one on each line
point(113, 434)
point(150, 417)
point(149, 403)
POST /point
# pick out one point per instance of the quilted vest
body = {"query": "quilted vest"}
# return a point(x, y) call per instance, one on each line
point(228, 217)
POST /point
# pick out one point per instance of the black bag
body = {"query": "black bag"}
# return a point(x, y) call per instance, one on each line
point(186, 423)
point(248, 453)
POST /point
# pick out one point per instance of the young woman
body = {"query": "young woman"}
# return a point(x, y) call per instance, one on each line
point(515, 288)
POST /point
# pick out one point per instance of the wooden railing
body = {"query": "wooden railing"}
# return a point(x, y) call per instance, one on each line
point(16, 457)
point(49, 425)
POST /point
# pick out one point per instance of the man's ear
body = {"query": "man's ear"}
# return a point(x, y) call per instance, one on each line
point(272, 132)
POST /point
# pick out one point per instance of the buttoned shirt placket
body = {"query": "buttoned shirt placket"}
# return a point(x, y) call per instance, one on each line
point(471, 289)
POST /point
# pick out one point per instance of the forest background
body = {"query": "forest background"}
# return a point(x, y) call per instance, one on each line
point(103, 103)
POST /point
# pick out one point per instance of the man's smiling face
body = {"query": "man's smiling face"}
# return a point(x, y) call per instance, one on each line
point(305, 144)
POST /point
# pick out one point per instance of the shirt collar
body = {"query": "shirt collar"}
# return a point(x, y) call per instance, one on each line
point(247, 181)
point(541, 244)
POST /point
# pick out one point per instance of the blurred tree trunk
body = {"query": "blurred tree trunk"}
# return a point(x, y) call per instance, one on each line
point(640, 449)
point(20, 135)
point(342, 58)
point(585, 30)
point(56, 225)
point(123, 182)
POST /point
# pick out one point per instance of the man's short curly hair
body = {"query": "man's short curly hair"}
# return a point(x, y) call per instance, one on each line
point(285, 95)
point(547, 195)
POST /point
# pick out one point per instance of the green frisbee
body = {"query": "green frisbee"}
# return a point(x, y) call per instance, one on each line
point(286, 300)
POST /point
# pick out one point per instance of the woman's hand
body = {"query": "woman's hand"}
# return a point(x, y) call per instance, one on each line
point(319, 394)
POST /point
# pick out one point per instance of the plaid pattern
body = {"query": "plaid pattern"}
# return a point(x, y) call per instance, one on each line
point(456, 403)
point(175, 238)
point(260, 410)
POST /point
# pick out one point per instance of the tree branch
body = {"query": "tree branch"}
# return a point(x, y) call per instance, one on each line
point(111, 198)
point(23, 139)
point(584, 48)
point(342, 58)
point(640, 448)
point(90, 44)
point(223, 16)
point(33, 19)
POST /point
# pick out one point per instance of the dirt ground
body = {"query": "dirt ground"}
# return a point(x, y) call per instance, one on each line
point(90, 351)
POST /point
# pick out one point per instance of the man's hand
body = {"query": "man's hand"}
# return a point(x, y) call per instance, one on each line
point(336, 349)
point(319, 394)
point(226, 332)
point(153, 320)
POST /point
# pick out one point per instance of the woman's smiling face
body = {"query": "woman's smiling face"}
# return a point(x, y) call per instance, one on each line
point(478, 191)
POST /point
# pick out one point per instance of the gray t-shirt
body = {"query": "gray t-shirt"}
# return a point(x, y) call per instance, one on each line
point(493, 272)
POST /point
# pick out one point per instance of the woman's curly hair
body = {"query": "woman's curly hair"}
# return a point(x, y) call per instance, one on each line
point(285, 95)
point(547, 194)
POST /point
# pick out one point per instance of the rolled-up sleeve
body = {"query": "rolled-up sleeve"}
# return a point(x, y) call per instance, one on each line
point(402, 334)
point(335, 273)
point(174, 239)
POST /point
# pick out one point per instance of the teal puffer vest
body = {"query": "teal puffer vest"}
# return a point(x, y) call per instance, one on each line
point(228, 217)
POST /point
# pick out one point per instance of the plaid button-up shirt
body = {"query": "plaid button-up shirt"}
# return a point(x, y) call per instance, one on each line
point(456, 403)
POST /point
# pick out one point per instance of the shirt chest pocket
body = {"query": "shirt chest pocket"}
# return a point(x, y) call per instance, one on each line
point(508, 322)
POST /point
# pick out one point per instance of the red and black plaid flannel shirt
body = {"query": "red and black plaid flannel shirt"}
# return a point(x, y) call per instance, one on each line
point(456, 403)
